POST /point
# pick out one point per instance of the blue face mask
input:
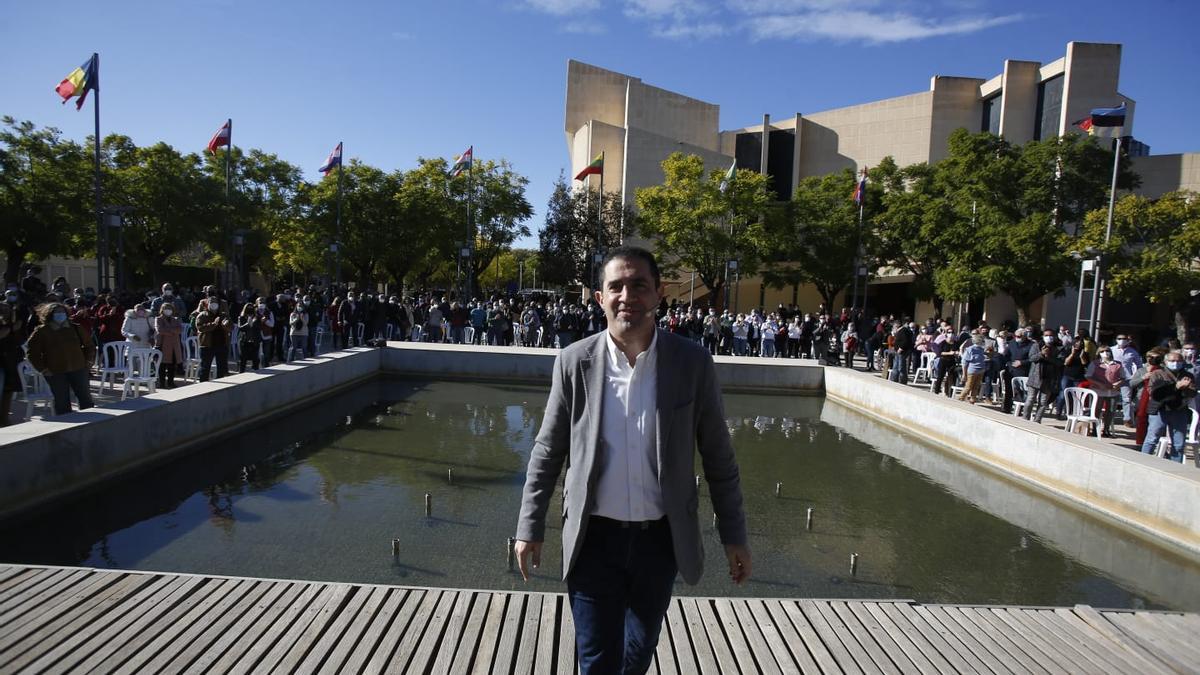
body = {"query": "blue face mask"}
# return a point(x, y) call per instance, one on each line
point(1175, 365)
point(59, 317)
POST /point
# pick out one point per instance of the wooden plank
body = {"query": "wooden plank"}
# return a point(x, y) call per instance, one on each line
point(284, 635)
point(244, 654)
point(566, 640)
point(918, 638)
point(468, 644)
point(543, 663)
point(145, 644)
point(1101, 624)
point(336, 596)
point(703, 627)
point(370, 643)
point(935, 635)
point(664, 654)
point(1126, 660)
point(489, 636)
point(510, 632)
point(218, 604)
point(421, 618)
point(147, 622)
point(860, 632)
point(80, 620)
point(394, 635)
point(902, 637)
point(1030, 640)
point(782, 639)
point(355, 634)
point(39, 610)
point(830, 638)
point(975, 650)
point(973, 619)
point(322, 651)
point(735, 634)
point(8, 572)
point(84, 637)
point(214, 627)
point(1153, 641)
point(882, 636)
point(1085, 650)
point(706, 660)
point(530, 623)
point(260, 601)
point(1182, 641)
point(435, 632)
point(765, 656)
point(788, 610)
point(39, 594)
point(722, 644)
point(16, 579)
point(681, 643)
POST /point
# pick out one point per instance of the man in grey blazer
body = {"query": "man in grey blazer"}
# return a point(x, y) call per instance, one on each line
point(627, 411)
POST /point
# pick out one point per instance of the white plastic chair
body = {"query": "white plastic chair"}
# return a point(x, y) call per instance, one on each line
point(235, 348)
point(416, 333)
point(1018, 385)
point(469, 335)
point(191, 358)
point(141, 370)
point(926, 369)
point(320, 338)
point(114, 364)
point(1081, 409)
point(34, 389)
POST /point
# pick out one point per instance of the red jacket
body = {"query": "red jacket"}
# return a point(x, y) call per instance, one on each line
point(110, 318)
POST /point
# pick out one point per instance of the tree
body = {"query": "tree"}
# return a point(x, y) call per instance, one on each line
point(46, 203)
point(574, 219)
point(501, 211)
point(1154, 252)
point(172, 200)
point(697, 226)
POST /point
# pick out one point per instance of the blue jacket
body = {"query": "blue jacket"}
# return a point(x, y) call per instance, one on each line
point(974, 359)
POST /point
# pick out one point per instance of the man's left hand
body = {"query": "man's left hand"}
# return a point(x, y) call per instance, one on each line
point(739, 562)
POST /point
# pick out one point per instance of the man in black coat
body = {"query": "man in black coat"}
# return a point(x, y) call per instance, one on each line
point(1045, 375)
point(1016, 364)
point(903, 342)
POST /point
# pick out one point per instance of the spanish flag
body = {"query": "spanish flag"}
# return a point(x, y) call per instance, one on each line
point(81, 80)
point(596, 167)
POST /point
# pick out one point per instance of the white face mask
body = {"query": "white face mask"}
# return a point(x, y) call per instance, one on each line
point(1048, 339)
point(1174, 365)
point(167, 312)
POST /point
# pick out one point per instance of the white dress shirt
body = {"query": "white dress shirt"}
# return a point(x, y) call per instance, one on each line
point(627, 484)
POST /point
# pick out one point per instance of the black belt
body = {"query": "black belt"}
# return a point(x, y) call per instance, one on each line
point(630, 524)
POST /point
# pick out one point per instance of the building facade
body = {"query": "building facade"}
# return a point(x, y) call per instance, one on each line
point(637, 126)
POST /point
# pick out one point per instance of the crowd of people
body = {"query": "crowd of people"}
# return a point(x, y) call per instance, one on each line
point(60, 330)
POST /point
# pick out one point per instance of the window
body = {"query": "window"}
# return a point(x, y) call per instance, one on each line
point(1049, 108)
point(748, 151)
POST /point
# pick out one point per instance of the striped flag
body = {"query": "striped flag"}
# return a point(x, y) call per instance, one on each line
point(334, 159)
point(79, 82)
point(463, 162)
point(1104, 122)
point(596, 167)
point(728, 179)
point(221, 138)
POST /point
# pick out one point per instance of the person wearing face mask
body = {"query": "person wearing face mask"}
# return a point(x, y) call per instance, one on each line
point(1075, 361)
point(1045, 376)
point(298, 332)
point(138, 329)
point(1106, 377)
point(1126, 354)
point(249, 337)
point(63, 353)
point(167, 331)
point(1171, 389)
point(109, 317)
point(265, 325)
point(12, 335)
point(1141, 417)
point(903, 342)
point(1016, 364)
point(213, 328)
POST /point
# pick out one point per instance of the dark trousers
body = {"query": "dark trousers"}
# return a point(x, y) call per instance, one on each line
point(166, 375)
point(210, 354)
point(249, 352)
point(620, 589)
point(268, 351)
point(62, 384)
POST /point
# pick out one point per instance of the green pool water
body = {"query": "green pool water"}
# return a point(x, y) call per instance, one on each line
point(322, 493)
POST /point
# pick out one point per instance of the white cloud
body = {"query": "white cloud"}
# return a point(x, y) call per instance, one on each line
point(563, 7)
point(850, 26)
point(692, 31)
point(585, 27)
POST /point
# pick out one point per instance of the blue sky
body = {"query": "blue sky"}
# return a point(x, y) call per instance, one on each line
point(408, 78)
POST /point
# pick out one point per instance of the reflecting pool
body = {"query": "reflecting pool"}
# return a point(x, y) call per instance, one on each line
point(322, 493)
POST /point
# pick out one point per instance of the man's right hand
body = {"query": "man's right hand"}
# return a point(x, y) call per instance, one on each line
point(530, 549)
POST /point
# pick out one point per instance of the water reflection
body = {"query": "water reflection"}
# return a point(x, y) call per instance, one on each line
point(322, 493)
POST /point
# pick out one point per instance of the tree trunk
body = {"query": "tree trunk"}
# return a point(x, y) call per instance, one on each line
point(1181, 324)
point(1022, 315)
point(14, 256)
point(938, 304)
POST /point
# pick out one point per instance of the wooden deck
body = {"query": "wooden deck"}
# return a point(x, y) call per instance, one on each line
point(65, 619)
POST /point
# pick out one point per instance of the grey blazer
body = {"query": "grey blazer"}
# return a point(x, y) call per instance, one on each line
point(690, 417)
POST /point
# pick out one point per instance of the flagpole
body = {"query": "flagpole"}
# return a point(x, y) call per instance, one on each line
point(101, 259)
point(469, 281)
point(600, 222)
point(1098, 296)
point(338, 253)
point(858, 252)
point(228, 239)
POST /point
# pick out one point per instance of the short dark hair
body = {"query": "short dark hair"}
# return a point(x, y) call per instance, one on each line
point(632, 253)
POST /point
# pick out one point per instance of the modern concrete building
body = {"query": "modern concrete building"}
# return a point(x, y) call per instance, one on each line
point(637, 126)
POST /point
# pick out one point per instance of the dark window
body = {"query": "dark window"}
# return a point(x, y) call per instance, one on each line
point(779, 162)
point(991, 114)
point(748, 151)
point(1049, 108)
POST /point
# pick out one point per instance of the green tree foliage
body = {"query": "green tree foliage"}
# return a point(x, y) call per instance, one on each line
point(816, 236)
point(698, 227)
point(46, 203)
point(574, 220)
point(1154, 252)
point(501, 212)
